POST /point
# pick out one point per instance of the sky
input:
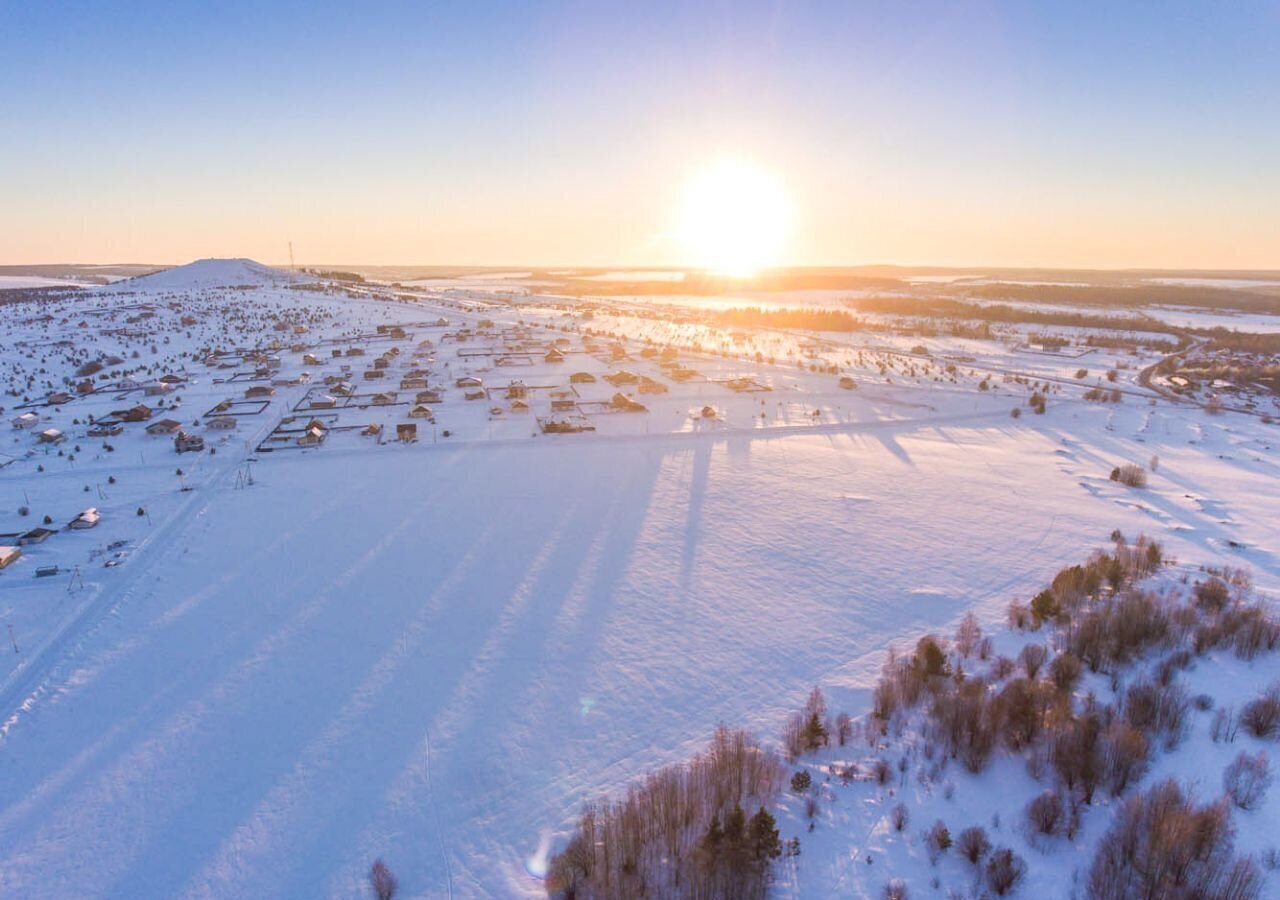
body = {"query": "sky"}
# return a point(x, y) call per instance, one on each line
point(1094, 135)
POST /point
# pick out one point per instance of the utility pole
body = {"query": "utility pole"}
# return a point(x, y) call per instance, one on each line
point(12, 639)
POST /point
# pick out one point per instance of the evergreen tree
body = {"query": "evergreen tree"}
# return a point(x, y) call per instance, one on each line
point(765, 844)
point(815, 733)
point(735, 827)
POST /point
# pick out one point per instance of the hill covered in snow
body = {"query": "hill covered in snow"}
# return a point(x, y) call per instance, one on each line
point(211, 273)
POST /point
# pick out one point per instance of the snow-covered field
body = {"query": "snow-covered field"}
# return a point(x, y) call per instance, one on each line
point(300, 658)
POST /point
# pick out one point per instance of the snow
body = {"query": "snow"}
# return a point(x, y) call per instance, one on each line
point(208, 273)
point(436, 652)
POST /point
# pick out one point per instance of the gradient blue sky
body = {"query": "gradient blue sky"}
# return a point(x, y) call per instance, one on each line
point(1076, 134)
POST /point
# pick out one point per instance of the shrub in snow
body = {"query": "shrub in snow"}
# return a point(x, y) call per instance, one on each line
point(1064, 672)
point(937, 839)
point(1224, 726)
point(1130, 474)
point(1126, 755)
point(1161, 844)
point(1212, 595)
point(1045, 813)
point(382, 881)
point(1032, 658)
point(801, 781)
point(1261, 716)
point(899, 817)
point(896, 890)
point(1158, 710)
point(1246, 780)
point(1004, 870)
point(973, 844)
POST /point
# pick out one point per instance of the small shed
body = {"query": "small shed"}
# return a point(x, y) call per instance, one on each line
point(87, 519)
point(9, 556)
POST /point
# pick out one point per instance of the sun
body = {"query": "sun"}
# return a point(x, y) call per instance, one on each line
point(735, 219)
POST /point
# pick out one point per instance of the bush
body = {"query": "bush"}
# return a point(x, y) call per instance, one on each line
point(1126, 755)
point(1064, 671)
point(1004, 870)
point(1161, 844)
point(1044, 813)
point(1032, 658)
point(938, 839)
point(973, 843)
point(1246, 780)
point(1261, 716)
point(1130, 474)
point(1158, 709)
point(382, 881)
point(899, 817)
point(1212, 595)
point(801, 781)
point(896, 890)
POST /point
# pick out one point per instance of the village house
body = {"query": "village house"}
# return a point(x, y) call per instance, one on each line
point(325, 401)
point(51, 436)
point(582, 378)
point(221, 423)
point(517, 390)
point(407, 432)
point(421, 412)
point(373, 429)
point(313, 436)
point(469, 381)
point(474, 395)
point(413, 382)
point(259, 390)
point(553, 355)
point(105, 428)
point(519, 406)
point(9, 556)
point(59, 397)
point(139, 413)
point(187, 443)
point(164, 427)
point(427, 396)
point(26, 420)
point(384, 399)
point(85, 387)
point(623, 403)
point(621, 377)
point(159, 389)
point(650, 386)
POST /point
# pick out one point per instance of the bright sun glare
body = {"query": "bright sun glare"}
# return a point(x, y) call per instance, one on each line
point(735, 219)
